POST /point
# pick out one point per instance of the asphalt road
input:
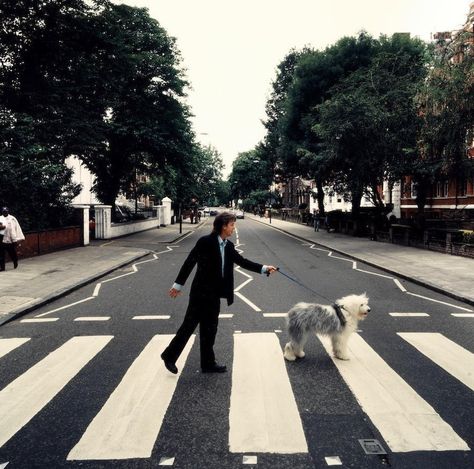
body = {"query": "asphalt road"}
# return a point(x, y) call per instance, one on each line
point(92, 393)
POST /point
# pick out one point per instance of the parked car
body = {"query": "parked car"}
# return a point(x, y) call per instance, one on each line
point(213, 212)
point(239, 214)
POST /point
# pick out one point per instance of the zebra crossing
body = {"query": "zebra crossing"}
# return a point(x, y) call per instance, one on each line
point(263, 414)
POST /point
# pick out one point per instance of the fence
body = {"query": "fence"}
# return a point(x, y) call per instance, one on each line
point(42, 242)
point(447, 237)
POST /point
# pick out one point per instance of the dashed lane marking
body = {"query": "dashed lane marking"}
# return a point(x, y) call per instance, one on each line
point(39, 320)
point(151, 316)
point(92, 318)
point(409, 315)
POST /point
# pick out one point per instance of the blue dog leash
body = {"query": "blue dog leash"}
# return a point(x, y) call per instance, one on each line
point(336, 307)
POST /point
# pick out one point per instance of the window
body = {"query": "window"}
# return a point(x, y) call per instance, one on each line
point(413, 190)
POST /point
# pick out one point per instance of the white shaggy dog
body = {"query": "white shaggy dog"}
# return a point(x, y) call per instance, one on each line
point(306, 318)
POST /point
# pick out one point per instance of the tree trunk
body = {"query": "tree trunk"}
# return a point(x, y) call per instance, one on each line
point(319, 186)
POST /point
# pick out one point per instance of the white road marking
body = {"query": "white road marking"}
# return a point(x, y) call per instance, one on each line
point(333, 461)
point(226, 316)
point(354, 266)
point(263, 415)
point(92, 318)
point(463, 315)
point(37, 319)
point(249, 459)
point(151, 316)
point(3, 465)
point(24, 397)
point(405, 420)
point(409, 315)
point(66, 306)
point(275, 315)
point(7, 345)
point(166, 461)
point(453, 358)
point(399, 285)
point(246, 300)
point(243, 284)
point(95, 294)
point(129, 422)
point(441, 302)
point(96, 290)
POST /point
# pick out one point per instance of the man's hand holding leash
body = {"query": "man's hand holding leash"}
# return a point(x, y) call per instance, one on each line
point(174, 293)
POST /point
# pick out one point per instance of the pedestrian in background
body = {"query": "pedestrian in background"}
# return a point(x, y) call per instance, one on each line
point(215, 257)
point(317, 220)
point(10, 235)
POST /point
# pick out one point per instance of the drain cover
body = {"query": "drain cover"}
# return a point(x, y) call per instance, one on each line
point(371, 446)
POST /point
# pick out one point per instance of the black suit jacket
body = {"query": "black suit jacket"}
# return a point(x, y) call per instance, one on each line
point(208, 281)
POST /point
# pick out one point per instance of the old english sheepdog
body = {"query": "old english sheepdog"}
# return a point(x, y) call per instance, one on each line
point(338, 321)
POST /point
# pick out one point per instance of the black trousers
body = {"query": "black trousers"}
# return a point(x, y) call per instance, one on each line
point(11, 249)
point(204, 312)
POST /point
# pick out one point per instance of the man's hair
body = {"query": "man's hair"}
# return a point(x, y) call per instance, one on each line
point(221, 220)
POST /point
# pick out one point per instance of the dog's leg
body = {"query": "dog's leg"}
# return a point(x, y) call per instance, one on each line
point(288, 353)
point(339, 346)
point(298, 346)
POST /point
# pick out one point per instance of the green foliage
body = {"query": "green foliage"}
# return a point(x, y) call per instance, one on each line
point(99, 81)
point(203, 176)
point(250, 172)
point(445, 104)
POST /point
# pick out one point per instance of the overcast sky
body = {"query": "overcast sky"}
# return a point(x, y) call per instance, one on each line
point(230, 50)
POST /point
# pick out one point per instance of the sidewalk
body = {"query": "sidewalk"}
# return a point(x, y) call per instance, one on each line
point(41, 279)
point(452, 275)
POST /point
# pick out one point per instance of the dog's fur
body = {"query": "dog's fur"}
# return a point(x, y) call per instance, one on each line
point(305, 318)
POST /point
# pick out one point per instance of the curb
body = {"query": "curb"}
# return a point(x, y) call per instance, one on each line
point(21, 311)
point(422, 283)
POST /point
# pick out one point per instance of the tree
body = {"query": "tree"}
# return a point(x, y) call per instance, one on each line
point(368, 126)
point(42, 52)
point(146, 123)
point(207, 167)
point(446, 109)
point(314, 74)
point(249, 173)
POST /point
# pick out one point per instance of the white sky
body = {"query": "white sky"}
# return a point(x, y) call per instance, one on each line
point(230, 50)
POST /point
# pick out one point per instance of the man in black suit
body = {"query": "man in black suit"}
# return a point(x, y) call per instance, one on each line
point(215, 256)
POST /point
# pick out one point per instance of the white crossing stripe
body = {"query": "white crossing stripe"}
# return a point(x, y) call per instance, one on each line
point(226, 316)
point(405, 420)
point(453, 358)
point(263, 415)
point(92, 318)
point(151, 316)
point(409, 315)
point(129, 422)
point(24, 397)
point(463, 315)
point(275, 315)
point(7, 345)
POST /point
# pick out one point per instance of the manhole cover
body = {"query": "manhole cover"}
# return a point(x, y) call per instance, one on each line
point(371, 446)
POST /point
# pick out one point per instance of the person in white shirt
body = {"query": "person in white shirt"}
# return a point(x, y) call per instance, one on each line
point(10, 235)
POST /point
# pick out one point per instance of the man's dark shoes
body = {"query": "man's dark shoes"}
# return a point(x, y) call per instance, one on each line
point(214, 368)
point(170, 366)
